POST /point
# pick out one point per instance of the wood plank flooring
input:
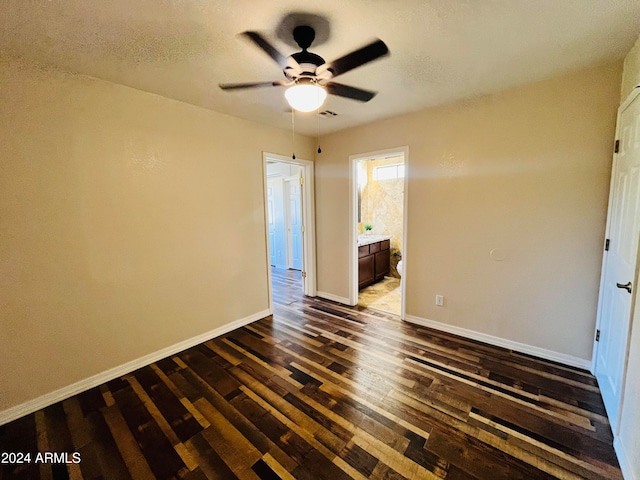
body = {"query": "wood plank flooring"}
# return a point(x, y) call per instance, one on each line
point(323, 391)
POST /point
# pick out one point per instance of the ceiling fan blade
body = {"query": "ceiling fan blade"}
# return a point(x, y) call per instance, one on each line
point(355, 59)
point(349, 92)
point(238, 86)
point(269, 49)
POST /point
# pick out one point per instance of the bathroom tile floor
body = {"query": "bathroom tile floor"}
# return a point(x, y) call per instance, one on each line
point(384, 295)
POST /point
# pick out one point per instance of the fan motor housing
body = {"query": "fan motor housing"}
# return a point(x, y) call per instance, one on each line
point(308, 62)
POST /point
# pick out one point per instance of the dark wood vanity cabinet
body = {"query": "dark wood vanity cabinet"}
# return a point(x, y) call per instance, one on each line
point(373, 262)
point(382, 260)
point(366, 270)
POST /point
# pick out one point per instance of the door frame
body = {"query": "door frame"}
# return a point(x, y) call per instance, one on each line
point(309, 287)
point(353, 223)
point(628, 101)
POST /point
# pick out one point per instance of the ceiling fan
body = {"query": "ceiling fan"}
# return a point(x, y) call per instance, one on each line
point(309, 77)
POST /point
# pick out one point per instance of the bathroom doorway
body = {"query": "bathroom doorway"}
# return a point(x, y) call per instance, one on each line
point(289, 232)
point(378, 233)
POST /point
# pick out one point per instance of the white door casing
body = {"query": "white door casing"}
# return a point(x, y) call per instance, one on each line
point(618, 282)
point(307, 217)
point(353, 221)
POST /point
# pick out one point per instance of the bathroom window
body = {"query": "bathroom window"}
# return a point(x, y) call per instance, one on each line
point(389, 172)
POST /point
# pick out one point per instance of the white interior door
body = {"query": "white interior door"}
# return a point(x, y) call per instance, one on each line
point(620, 264)
point(271, 223)
point(294, 221)
point(277, 227)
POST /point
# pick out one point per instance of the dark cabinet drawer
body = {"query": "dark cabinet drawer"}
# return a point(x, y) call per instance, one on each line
point(385, 244)
point(374, 247)
point(363, 251)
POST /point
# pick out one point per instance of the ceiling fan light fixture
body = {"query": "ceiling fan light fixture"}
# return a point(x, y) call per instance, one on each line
point(305, 97)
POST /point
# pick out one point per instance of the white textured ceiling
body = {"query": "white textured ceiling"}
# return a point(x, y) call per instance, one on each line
point(441, 50)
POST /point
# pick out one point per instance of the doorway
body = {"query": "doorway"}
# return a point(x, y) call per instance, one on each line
point(378, 230)
point(288, 186)
point(284, 207)
point(619, 278)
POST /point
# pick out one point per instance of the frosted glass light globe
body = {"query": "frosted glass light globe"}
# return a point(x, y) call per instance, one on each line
point(305, 98)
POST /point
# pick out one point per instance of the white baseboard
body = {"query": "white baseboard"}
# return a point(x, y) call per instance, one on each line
point(503, 342)
point(63, 393)
point(334, 298)
point(625, 466)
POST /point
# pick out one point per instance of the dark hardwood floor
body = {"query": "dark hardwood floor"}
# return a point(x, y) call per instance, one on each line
point(323, 391)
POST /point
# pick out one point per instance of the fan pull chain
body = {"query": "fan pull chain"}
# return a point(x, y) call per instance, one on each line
point(293, 135)
point(318, 129)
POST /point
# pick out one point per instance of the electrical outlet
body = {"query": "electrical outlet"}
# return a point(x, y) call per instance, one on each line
point(439, 300)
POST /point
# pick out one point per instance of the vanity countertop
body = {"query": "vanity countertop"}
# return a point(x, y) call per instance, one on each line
point(369, 239)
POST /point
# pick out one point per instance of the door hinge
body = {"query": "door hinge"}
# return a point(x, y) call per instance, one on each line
point(301, 180)
point(302, 228)
point(606, 245)
point(304, 274)
point(597, 335)
point(616, 148)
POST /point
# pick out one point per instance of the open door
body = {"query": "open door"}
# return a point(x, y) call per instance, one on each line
point(619, 277)
point(295, 228)
point(277, 222)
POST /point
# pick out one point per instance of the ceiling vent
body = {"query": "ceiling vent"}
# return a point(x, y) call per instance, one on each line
point(327, 114)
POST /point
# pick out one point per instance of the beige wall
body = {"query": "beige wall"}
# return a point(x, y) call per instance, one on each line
point(631, 72)
point(525, 171)
point(628, 442)
point(128, 223)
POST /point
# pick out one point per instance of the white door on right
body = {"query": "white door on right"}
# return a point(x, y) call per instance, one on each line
point(294, 223)
point(618, 278)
